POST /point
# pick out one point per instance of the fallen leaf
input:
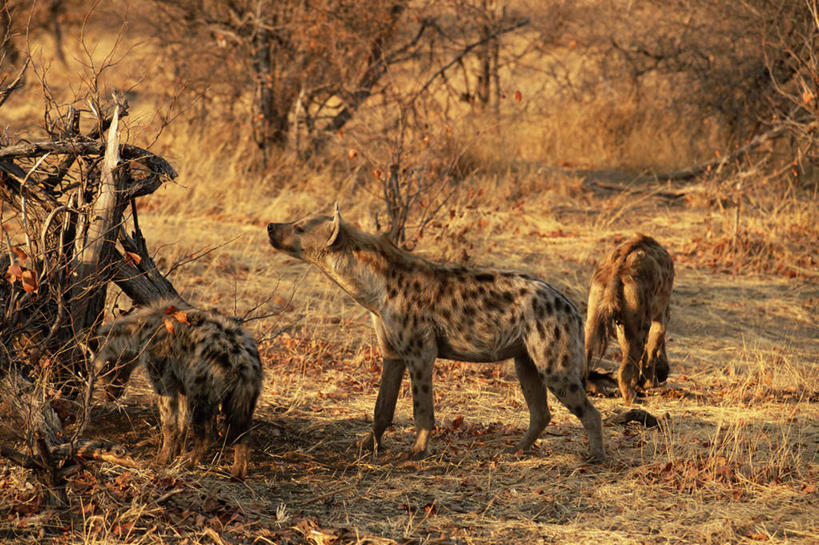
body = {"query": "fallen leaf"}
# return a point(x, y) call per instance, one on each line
point(169, 325)
point(21, 255)
point(29, 281)
point(14, 272)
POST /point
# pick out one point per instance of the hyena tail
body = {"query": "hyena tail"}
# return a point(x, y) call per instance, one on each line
point(600, 322)
point(238, 409)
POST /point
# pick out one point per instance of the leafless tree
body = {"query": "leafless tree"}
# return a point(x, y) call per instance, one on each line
point(66, 236)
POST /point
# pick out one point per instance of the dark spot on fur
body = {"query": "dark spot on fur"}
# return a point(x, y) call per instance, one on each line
point(446, 314)
point(549, 310)
point(416, 286)
point(541, 329)
point(481, 290)
point(573, 388)
point(557, 333)
point(510, 275)
point(414, 390)
point(419, 374)
point(485, 277)
point(508, 297)
point(392, 292)
point(564, 361)
point(425, 388)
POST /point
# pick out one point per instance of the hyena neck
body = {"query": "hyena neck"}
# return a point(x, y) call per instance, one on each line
point(364, 268)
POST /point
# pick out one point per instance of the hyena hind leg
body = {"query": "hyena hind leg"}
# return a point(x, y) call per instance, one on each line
point(534, 392)
point(655, 368)
point(573, 396)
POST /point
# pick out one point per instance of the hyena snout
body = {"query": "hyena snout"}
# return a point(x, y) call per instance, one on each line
point(275, 232)
point(283, 237)
point(113, 385)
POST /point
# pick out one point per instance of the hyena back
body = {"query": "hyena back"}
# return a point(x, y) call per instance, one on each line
point(423, 310)
point(204, 361)
point(629, 299)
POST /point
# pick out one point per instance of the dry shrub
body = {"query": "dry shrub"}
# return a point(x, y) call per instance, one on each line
point(749, 252)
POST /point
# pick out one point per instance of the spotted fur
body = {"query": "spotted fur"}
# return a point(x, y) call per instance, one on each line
point(423, 310)
point(629, 299)
point(204, 364)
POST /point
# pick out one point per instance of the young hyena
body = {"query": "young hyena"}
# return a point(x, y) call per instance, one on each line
point(423, 310)
point(628, 298)
point(197, 361)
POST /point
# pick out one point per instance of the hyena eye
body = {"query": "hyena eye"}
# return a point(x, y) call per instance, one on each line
point(299, 229)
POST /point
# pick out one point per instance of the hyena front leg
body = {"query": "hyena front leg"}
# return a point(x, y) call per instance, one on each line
point(423, 410)
point(534, 392)
point(172, 436)
point(202, 411)
point(392, 372)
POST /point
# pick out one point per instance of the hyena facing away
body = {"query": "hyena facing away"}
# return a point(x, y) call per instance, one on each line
point(423, 310)
point(204, 361)
point(628, 298)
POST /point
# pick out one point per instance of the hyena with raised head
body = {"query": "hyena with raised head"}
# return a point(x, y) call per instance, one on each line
point(629, 296)
point(197, 361)
point(423, 310)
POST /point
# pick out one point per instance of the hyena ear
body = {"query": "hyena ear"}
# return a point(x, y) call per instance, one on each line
point(336, 225)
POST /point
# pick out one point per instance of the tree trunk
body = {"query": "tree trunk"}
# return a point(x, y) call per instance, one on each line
point(94, 249)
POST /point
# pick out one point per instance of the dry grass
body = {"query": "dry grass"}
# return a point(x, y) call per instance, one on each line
point(735, 461)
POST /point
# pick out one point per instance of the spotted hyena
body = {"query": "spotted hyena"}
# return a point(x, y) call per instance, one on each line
point(423, 310)
point(197, 361)
point(628, 299)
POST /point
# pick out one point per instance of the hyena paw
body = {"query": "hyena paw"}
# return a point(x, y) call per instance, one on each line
point(163, 457)
point(524, 446)
point(369, 444)
point(419, 454)
point(596, 457)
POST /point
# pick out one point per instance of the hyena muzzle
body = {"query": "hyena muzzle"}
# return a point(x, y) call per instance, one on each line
point(629, 299)
point(423, 310)
point(198, 362)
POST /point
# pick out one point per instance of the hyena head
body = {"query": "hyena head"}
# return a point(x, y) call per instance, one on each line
point(113, 363)
point(353, 259)
point(309, 239)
